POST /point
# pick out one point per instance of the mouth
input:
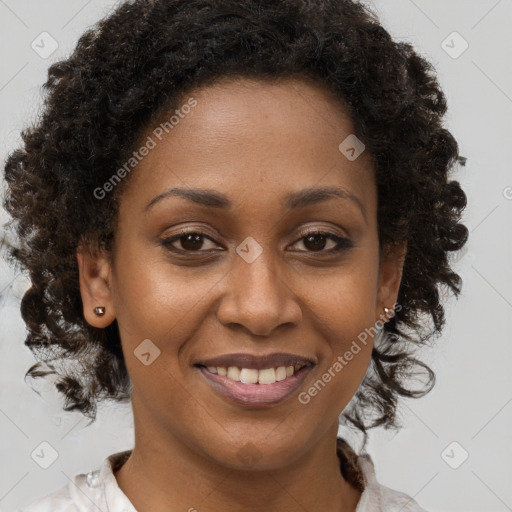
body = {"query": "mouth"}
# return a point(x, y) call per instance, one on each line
point(263, 376)
point(254, 381)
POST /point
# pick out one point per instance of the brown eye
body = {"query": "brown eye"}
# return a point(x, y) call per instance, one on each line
point(190, 241)
point(316, 241)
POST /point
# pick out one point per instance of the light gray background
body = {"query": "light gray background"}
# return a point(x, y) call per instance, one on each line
point(472, 402)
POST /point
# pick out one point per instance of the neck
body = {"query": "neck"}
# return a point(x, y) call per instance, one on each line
point(170, 476)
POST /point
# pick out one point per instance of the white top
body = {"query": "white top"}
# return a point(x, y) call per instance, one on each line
point(98, 491)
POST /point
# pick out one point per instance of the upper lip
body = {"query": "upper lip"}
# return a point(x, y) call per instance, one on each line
point(258, 362)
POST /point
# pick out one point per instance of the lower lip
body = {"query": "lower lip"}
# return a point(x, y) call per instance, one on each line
point(256, 394)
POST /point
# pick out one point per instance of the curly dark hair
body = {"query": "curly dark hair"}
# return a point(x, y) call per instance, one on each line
point(137, 64)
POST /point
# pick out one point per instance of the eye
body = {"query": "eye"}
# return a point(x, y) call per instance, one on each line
point(315, 241)
point(190, 241)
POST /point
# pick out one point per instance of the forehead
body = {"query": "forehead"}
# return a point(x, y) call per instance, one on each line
point(254, 138)
point(291, 106)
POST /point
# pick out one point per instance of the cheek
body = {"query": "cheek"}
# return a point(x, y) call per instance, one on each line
point(159, 301)
point(343, 299)
point(344, 322)
point(343, 312)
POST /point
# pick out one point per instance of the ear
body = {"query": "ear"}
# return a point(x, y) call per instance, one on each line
point(390, 277)
point(95, 285)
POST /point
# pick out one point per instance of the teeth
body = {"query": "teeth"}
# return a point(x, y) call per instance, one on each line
point(253, 376)
point(281, 373)
point(267, 376)
point(248, 376)
point(233, 373)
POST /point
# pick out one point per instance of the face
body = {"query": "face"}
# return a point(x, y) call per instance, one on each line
point(259, 265)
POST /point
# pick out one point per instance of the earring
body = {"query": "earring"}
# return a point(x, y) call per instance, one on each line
point(387, 311)
point(100, 310)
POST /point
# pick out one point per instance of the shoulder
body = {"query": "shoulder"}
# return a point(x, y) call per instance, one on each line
point(61, 500)
point(58, 501)
point(378, 497)
point(375, 497)
point(97, 489)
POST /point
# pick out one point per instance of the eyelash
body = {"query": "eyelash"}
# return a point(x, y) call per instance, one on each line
point(342, 243)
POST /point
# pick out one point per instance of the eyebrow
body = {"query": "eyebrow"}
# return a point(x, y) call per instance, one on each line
point(292, 201)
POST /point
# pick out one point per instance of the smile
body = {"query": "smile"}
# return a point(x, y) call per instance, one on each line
point(253, 387)
point(254, 376)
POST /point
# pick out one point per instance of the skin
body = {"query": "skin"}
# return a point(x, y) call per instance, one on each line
point(255, 142)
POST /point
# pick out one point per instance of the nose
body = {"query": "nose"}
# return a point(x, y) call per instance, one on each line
point(259, 297)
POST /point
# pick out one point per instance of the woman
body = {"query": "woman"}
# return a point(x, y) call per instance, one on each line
point(237, 215)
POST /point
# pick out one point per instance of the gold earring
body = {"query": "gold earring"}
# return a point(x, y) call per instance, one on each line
point(100, 310)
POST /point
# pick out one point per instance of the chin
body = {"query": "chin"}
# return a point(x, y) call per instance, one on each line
point(254, 454)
